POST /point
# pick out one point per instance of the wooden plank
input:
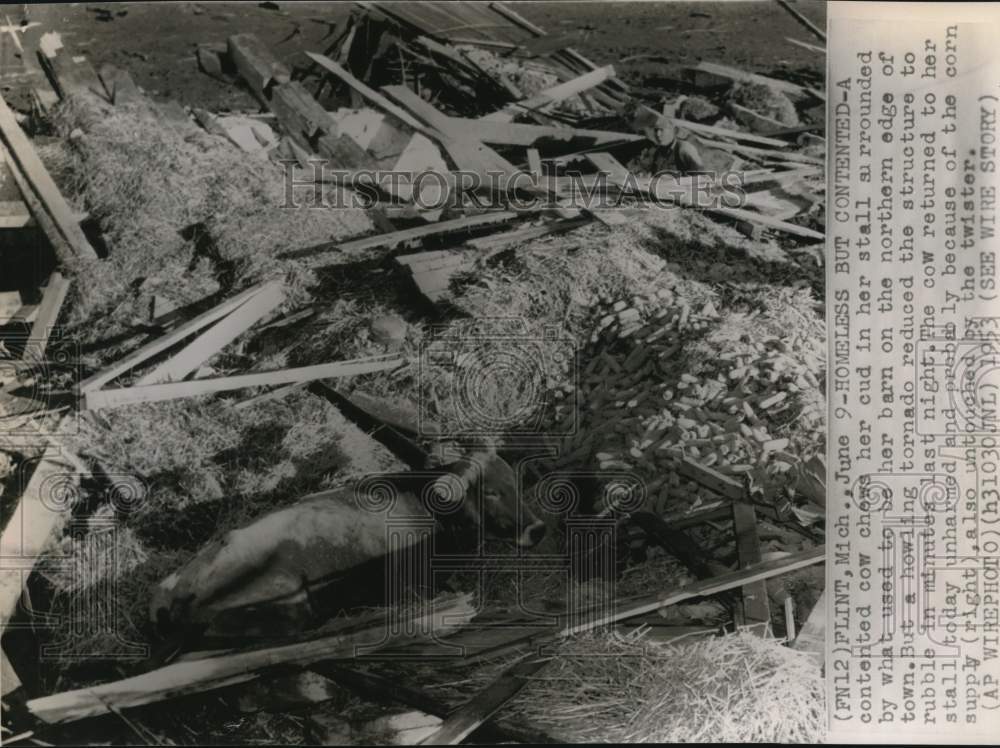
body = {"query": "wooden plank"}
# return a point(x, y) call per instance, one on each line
point(711, 479)
point(771, 223)
point(119, 85)
point(516, 19)
point(756, 122)
point(813, 28)
point(195, 353)
point(359, 249)
point(210, 673)
point(756, 612)
point(369, 93)
point(485, 704)
point(40, 181)
point(60, 246)
point(723, 132)
point(70, 74)
point(165, 341)
point(299, 113)
point(812, 636)
point(806, 45)
point(552, 95)
point(709, 71)
point(637, 606)
point(497, 242)
point(535, 162)
point(527, 135)
point(36, 522)
point(256, 64)
point(378, 687)
point(152, 393)
point(763, 153)
point(48, 312)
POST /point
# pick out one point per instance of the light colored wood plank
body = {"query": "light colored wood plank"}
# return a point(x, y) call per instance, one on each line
point(256, 64)
point(199, 350)
point(210, 673)
point(152, 393)
point(812, 636)
point(38, 178)
point(41, 513)
point(526, 135)
point(631, 607)
point(362, 248)
point(724, 73)
point(48, 313)
point(552, 95)
point(467, 718)
point(173, 337)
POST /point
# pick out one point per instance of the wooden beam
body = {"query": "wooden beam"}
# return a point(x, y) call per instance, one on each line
point(755, 121)
point(813, 28)
point(806, 45)
point(486, 703)
point(768, 222)
point(362, 249)
point(42, 511)
point(256, 64)
point(210, 673)
point(552, 95)
point(165, 341)
point(637, 606)
point(369, 93)
point(48, 312)
point(496, 242)
point(40, 181)
point(711, 72)
point(70, 74)
point(517, 19)
point(63, 251)
point(723, 132)
point(373, 686)
point(812, 636)
point(527, 135)
point(153, 393)
point(206, 345)
point(756, 612)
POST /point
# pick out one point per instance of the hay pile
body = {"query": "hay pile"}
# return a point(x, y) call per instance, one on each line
point(184, 213)
point(733, 689)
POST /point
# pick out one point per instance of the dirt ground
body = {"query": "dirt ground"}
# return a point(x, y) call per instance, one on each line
point(157, 42)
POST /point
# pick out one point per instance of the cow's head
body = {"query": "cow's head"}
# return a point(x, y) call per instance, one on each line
point(502, 512)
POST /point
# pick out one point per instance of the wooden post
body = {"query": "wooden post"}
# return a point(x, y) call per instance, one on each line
point(756, 612)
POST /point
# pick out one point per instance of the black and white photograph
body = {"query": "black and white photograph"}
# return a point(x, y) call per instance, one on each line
point(414, 372)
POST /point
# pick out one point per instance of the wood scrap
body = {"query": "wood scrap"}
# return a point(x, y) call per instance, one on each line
point(755, 612)
point(118, 84)
point(210, 673)
point(195, 353)
point(164, 342)
point(36, 176)
point(552, 95)
point(363, 249)
point(256, 64)
point(714, 74)
point(798, 16)
point(43, 326)
point(44, 507)
point(812, 635)
point(95, 399)
point(481, 707)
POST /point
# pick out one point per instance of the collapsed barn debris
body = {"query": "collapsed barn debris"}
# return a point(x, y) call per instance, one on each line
point(664, 313)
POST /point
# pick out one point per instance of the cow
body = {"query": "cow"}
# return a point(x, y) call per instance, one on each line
point(295, 567)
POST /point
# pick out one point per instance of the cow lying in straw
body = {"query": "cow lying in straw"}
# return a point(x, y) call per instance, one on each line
point(293, 568)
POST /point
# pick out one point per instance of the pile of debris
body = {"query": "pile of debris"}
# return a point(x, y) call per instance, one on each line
point(642, 334)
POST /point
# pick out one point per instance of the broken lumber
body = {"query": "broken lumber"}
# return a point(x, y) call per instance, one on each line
point(723, 132)
point(210, 673)
point(69, 74)
point(755, 121)
point(118, 84)
point(755, 612)
point(498, 242)
point(256, 64)
point(361, 249)
point(153, 393)
point(552, 95)
point(149, 350)
point(206, 345)
point(63, 251)
point(812, 636)
point(637, 606)
point(45, 319)
point(373, 686)
point(714, 74)
point(813, 28)
point(806, 45)
point(38, 179)
point(527, 135)
point(44, 507)
point(485, 704)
